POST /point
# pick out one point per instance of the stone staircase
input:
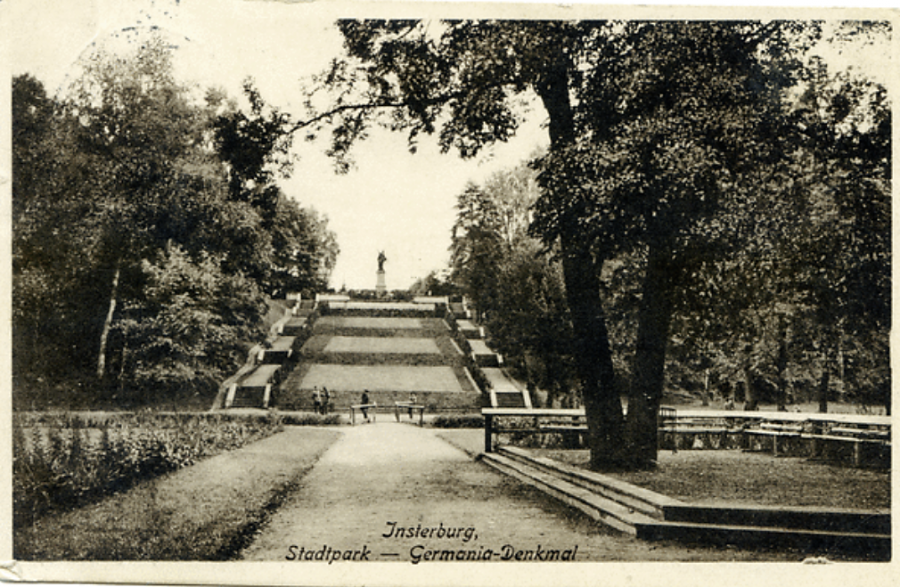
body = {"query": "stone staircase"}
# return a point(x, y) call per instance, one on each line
point(652, 516)
point(390, 349)
point(254, 385)
point(504, 392)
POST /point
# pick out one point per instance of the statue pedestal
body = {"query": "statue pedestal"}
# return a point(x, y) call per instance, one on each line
point(380, 287)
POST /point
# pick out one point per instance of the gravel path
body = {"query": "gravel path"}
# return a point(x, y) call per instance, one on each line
point(380, 479)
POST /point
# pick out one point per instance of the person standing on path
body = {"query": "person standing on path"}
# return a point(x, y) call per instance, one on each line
point(317, 400)
point(412, 402)
point(326, 397)
point(365, 404)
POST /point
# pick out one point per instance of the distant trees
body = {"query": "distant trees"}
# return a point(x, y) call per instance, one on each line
point(516, 286)
point(146, 236)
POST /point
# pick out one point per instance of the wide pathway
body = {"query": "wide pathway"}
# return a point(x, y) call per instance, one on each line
point(397, 492)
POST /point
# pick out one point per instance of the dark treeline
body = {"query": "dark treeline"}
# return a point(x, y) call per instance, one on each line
point(149, 234)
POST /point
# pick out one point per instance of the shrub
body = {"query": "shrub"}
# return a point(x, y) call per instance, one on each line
point(310, 419)
point(455, 421)
point(63, 461)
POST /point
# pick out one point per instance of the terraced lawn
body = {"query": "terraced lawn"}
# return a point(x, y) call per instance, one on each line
point(381, 378)
point(369, 322)
point(367, 344)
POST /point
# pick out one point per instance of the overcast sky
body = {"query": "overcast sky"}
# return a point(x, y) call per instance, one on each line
point(392, 201)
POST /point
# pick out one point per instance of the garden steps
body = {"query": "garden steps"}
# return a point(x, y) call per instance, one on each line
point(280, 351)
point(601, 509)
point(652, 516)
point(255, 390)
point(504, 391)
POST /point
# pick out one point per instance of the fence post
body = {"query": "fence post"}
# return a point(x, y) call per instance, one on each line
point(488, 432)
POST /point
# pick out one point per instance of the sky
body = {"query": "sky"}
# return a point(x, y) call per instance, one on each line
point(393, 201)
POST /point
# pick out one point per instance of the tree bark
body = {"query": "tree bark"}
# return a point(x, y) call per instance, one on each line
point(781, 365)
point(593, 356)
point(824, 382)
point(751, 404)
point(107, 323)
point(648, 377)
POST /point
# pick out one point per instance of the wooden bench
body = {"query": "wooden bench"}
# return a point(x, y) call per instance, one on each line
point(776, 430)
point(856, 437)
point(706, 433)
point(571, 432)
point(372, 407)
point(493, 418)
point(570, 422)
point(409, 407)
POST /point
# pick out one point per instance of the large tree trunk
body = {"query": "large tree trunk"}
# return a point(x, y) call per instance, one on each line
point(593, 357)
point(107, 323)
point(648, 377)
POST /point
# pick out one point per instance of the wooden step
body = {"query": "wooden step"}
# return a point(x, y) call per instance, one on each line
point(599, 508)
point(807, 518)
point(652, 516)
point(871, 546)
point(643, 500)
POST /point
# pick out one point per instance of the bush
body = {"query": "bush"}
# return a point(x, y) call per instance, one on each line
point(453, 421)
point(63, 461)
point(310, 419)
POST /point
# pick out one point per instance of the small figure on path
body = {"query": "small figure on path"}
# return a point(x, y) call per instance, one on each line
point(381, 260)
point(412, 402)
point(365, 405)
point(317, 400)
point(326, 397)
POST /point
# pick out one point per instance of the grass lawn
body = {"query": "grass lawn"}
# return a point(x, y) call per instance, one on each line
point(381, 378)
point(205, 512)
point(732, 476)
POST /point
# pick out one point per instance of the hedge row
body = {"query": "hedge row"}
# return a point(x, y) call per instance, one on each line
point(63, 461)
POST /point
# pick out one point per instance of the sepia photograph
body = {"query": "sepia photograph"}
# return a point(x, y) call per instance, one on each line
point(325, 293)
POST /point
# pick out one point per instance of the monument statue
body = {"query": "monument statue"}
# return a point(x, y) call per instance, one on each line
point(380, 286)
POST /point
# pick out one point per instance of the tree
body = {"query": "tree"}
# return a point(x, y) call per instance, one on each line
point(606, 89)
point(476, 248)
point(135, 247)
point(305, 251)
point(517, 288)
point(188, 328)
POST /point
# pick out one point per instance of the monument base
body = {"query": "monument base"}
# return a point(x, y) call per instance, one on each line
point(380, 287)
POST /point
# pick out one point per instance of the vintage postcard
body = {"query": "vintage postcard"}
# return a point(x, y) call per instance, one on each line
point(326, 293)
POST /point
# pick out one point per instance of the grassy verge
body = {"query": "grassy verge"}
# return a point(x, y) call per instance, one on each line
point(206, 512)
point(468, 440)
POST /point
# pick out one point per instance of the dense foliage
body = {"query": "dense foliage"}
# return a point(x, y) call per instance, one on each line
point(680, 153)
point(148, 231)
point(517, 288)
